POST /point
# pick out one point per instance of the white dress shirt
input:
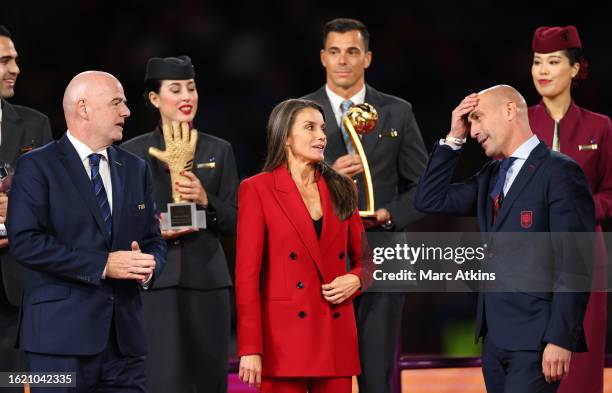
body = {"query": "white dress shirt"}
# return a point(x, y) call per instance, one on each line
point(335, 101)
point(84, 151)
point(521, 154)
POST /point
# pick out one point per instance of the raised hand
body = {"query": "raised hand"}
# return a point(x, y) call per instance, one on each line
point(460, 127)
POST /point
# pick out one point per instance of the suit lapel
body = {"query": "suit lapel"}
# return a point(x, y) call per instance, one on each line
point(568, 140)
point(522, 179)
point(74, 167)
point(370, 140)
point(291, 202)
point(485, 218)
point(117, 173)
point(162, 181)
point(331, 223)
point(12, 134)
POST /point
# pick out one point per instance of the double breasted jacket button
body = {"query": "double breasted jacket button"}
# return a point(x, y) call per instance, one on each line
point(300, 285)
point(293, 256)
point(336, 315)
point(302, 314)
point(342, 255)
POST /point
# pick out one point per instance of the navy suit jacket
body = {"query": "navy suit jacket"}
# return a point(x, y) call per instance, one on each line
point(555, 190)
point(57, 232)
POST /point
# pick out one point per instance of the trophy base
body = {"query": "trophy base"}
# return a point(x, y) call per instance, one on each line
point(183, 215)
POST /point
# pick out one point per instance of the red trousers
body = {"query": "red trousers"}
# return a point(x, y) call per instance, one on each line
point(303, 385)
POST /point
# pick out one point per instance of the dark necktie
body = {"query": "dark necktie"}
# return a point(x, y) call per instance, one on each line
point(344, 107)
point(497, 193)
point(98, 186)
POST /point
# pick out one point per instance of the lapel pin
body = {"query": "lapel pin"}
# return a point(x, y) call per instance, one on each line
point(592, 146)
point(389, 134)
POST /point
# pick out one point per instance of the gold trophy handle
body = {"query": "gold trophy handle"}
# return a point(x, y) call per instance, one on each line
point(367, 175)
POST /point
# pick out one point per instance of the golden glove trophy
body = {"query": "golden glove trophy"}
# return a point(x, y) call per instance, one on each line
point(180, 144)
point(360, 120)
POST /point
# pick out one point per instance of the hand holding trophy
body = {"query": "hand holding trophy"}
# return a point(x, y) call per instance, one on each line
point(180, 144)
point(360, 120)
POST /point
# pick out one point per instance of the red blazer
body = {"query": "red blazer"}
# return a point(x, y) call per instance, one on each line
point(280, 267)
point(582, 127)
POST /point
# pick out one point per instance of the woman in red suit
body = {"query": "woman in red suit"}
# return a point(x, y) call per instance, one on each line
point(297, 225)
point(586, 137)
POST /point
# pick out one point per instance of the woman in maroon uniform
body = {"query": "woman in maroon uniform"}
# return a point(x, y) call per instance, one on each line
point(586, 137)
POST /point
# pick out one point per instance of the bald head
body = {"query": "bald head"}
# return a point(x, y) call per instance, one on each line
point(82, 87)
point(499, 121)
point(503, 95)
point(95, 108)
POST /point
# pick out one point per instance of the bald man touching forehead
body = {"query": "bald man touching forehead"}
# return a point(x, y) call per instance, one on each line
point(528, 338)
point(85, 227)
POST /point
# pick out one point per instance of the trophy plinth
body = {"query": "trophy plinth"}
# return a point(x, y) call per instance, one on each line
point(180, 149)
point(360, 120)
point(183, 215)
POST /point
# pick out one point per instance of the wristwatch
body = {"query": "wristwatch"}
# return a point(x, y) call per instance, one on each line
point(388, 224)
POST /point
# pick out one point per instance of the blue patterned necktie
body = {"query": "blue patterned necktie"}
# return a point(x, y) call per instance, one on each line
point(497, 193)
point(345, 106)
point(98, 186)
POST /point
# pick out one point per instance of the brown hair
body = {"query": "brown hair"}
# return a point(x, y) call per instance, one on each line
point(342, 190)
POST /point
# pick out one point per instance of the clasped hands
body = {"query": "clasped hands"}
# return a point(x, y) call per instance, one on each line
point(341, 288)
point(130, 265)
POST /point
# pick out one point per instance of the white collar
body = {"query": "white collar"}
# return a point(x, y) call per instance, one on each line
point(336, 100)
point(82, 149)
point(526, 148)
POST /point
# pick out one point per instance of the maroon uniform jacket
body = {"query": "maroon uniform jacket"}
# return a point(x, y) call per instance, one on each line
point(586, 137)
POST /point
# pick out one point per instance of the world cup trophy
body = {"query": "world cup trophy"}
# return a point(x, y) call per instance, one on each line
point(180, 144)
point(360, 120)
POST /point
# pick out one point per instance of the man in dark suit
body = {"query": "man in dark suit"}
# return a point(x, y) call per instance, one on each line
point(528, 337)
point(82, 221)
point(21, 130)
point(396, 156)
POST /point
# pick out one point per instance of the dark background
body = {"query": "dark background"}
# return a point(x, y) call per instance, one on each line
point(248, 57)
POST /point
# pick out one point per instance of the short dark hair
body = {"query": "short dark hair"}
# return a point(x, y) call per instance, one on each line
point(575, 55)
point(342, 25)
point(4, 32)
